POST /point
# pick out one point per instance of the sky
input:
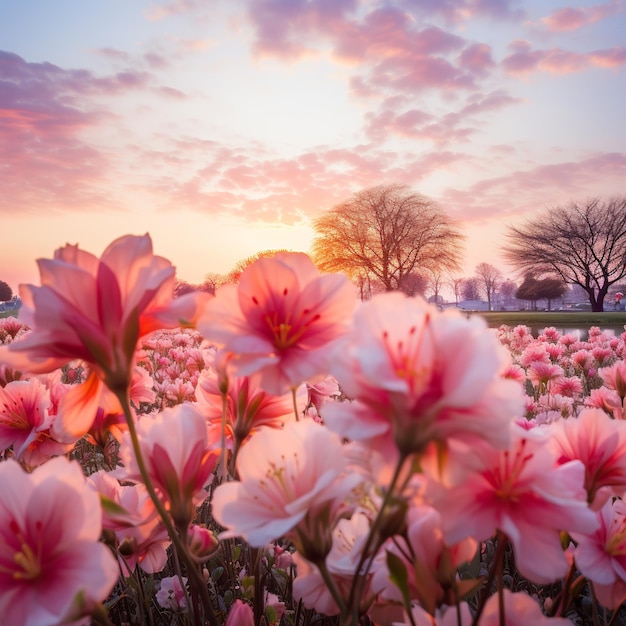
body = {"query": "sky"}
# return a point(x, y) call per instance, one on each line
point(225, 127)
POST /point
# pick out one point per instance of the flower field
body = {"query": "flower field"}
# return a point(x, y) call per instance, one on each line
point(281, 454)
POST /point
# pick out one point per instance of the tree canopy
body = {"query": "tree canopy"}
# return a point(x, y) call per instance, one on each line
point(384, 234)
point(581, 243)
point(6, 293)
point(548, 288)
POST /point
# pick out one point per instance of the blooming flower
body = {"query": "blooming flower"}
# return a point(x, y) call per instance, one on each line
point(24, 414)
point(419, 376)
point(96, 310)
point(601, 555)
point(446, 617)
point(280, 319)
point(248, 405)
point(171, 594)
point(53, 569)
point(599, 442)
point(348, 539)
point(127, 510)
point(179, 461)
point(523, 493)
point(431, 568)
point(519, 610)
point(288, 478)
point(614, 377)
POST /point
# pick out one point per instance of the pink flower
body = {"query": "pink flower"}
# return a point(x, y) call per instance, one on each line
point(240, 614)
point(201, 541)
point(534, 353)
point(53, 569)
point(287, 479)
point(601, 556)
point(445, 617)
point(614, 378)
point(24, 414)
point(96, 310)
point(280, 319)
point(419, 376)
point(523, 493)
point(606, 399)
point(432, 566)
point(570, 386)
point(540, 373)
point(127, 510)
point(248, 405)
point(519, 610)
point(348, 541)
point(180, 464)
point(171, 594)
point(599, 442)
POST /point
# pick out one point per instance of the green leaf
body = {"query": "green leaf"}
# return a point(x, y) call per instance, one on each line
point(110, 507)
point(399, 577)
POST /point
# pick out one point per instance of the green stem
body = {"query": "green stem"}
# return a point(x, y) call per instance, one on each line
point(222, 461)
point(295, 403)
point(195, 577)
point(360, 577)
point(332, 587)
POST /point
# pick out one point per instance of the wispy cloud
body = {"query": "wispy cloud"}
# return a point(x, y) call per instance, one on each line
point(573, 18)
point(523, 59)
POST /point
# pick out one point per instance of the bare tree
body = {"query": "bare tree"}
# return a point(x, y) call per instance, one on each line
point(386, 232)
point(435, 282)
point(490, 278)
point(582, 243)
point(470, 288)
point(507, 291)
point(456, 284)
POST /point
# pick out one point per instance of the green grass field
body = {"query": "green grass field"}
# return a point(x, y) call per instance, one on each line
point(534, 319)
point(558, 319)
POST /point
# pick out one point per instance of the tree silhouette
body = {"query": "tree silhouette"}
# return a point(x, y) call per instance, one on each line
point(385, 233)
point(582, 243)
point(489, 277)
point(6, 293)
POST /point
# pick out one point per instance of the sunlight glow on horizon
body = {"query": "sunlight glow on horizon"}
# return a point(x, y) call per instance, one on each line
point(208, 126)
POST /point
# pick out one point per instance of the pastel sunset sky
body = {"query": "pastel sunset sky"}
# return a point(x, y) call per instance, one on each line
point(224, 127)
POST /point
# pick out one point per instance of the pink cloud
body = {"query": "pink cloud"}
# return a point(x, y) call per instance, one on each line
point(388, 32)
point(263, 188)
point(174, 7)
point(523, 59)
point(570, 18)
point(524, 191)
point(391, 51)
point(44, 110)
point(170, 92)
point(455, 126)
point(281, 26)
point(613, 57)
point(477, 59)
point(456, 11)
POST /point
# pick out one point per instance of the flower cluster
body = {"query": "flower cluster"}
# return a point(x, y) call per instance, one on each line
point(280, 450)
